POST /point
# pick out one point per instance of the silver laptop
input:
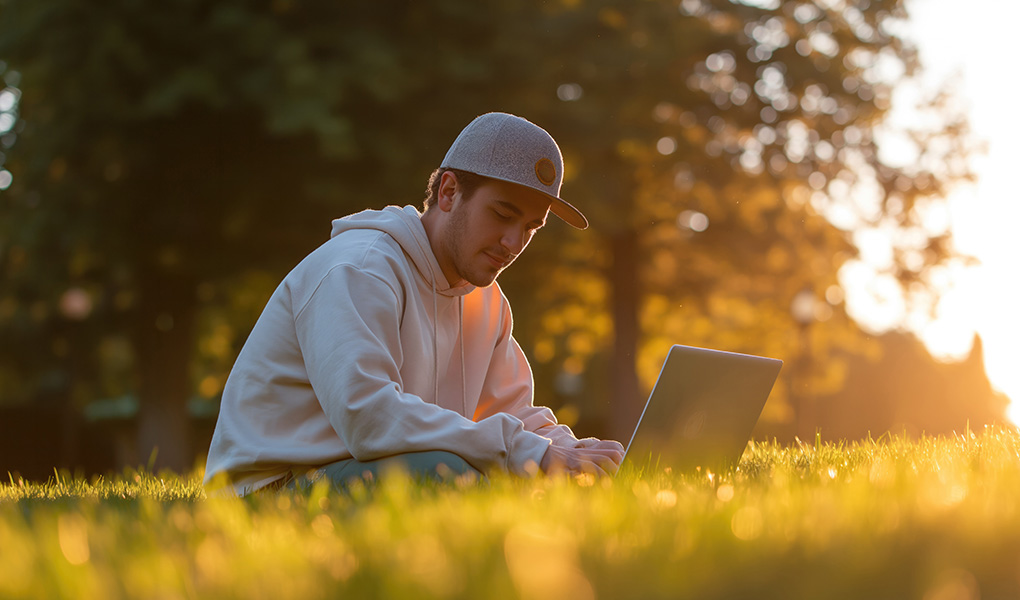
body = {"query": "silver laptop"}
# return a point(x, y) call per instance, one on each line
point(702, 410)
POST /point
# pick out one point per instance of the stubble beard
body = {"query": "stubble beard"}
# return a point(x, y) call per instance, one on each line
point(462, 258)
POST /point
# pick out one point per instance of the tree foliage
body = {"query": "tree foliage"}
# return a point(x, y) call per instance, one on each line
point(174, 160)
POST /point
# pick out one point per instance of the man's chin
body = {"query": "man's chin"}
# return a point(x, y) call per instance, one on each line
point(482, 282)
point(483, 279)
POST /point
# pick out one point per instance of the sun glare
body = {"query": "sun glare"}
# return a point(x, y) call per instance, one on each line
point(983, 216)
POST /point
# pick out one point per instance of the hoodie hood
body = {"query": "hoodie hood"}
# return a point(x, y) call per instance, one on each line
point(405, 227)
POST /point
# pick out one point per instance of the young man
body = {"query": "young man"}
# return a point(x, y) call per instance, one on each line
point(391, 342)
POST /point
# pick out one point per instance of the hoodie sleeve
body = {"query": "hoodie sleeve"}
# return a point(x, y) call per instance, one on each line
point(349, 335)
point(509, 388)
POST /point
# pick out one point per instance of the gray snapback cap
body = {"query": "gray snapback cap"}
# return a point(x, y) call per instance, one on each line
point(509, 148)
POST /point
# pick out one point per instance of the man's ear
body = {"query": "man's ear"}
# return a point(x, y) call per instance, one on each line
point(448, 188)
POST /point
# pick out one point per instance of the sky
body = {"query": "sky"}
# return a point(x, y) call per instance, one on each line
point(974, 46)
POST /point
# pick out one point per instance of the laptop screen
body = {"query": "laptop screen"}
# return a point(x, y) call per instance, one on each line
point(702, 409)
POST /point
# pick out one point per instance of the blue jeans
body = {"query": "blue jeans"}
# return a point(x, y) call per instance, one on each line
point(434, 465)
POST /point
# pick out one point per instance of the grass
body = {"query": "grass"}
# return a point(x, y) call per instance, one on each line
point(933, 519)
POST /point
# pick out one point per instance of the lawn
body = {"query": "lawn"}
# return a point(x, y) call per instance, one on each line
point(930, 518)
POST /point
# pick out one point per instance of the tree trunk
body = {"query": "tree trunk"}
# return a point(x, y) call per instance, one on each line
point(163, 341)
point(626, 398)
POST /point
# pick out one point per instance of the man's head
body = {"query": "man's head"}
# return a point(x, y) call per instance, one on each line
point(493, 191)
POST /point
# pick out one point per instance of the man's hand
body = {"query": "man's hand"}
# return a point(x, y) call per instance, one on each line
point(599, 457)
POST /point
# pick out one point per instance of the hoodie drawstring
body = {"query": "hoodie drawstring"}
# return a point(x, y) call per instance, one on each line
point(435, 343)
point(463, 367)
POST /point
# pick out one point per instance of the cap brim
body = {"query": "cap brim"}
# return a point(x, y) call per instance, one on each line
point(568, 213)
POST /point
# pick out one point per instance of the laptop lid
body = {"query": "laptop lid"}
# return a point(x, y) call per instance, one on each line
point(702, 409)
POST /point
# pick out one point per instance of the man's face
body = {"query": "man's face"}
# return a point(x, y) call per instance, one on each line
point(485, 233)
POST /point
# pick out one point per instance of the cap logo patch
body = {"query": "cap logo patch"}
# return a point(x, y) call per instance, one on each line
point(546, 171)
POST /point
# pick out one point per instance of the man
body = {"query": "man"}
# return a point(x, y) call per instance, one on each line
point(391, 342)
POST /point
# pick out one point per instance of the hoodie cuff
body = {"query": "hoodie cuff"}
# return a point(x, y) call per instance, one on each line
point(526, 453)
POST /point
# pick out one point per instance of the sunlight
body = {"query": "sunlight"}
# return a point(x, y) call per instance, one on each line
point(983, 216)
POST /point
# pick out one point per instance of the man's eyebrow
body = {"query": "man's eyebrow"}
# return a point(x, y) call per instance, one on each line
point(510, 206)
point(520, 213)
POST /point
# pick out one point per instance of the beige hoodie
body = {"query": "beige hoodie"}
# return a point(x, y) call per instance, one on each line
point(365, 351)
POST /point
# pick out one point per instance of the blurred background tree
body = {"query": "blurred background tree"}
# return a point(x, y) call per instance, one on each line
point(172, 161)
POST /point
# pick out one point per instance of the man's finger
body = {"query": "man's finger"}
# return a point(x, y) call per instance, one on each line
point(590, 443)
point(609, 463)
point(613, 454)
point(610, 445)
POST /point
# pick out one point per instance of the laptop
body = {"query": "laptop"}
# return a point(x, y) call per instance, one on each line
point(702, 410)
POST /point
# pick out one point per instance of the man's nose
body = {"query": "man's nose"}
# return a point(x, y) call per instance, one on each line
point(513, 240)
